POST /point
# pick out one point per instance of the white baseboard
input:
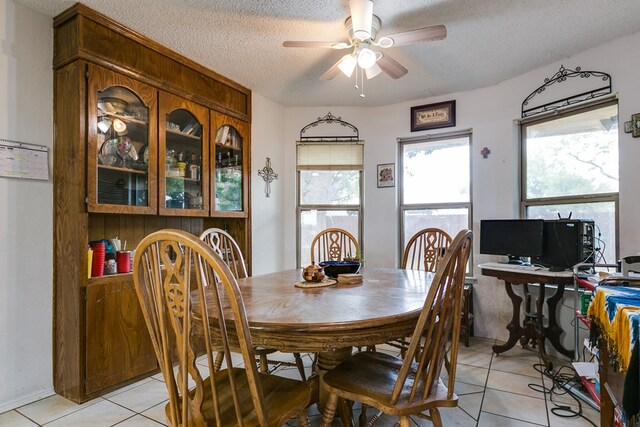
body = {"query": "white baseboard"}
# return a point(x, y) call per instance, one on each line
point(24, 400)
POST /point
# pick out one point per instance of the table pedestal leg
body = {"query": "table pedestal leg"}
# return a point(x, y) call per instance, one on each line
point(554, 331)
point(514, 327)
point(328, 360)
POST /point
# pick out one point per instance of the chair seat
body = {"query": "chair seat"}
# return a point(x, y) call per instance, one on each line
point(284, 397)
point(369, 377)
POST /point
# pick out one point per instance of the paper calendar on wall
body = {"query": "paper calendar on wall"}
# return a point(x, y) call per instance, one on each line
point(22, 160)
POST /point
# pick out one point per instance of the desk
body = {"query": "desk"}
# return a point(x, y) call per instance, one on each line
point(523, 333)
point(330, 320)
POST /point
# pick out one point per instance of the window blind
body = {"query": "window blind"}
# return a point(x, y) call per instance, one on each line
point(330, 155)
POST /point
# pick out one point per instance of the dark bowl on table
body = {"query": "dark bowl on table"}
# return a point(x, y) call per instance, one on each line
point(333, 268)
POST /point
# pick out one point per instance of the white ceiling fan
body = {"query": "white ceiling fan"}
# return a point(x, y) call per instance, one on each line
point(362, 28)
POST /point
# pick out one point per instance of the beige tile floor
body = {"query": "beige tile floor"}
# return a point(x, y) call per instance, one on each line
point(493, 391)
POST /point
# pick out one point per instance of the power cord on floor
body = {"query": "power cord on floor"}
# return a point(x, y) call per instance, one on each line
point(559, 380)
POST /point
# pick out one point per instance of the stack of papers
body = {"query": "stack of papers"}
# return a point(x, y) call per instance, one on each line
point(350, 278)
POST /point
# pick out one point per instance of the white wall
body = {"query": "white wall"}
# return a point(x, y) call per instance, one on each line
point(267, 212)
point(26, 221)
point(490, 112)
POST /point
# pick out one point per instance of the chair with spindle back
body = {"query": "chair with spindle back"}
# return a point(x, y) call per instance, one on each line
point(334, 244)
point(411, 386)
point(172, 271)
point(228, 249)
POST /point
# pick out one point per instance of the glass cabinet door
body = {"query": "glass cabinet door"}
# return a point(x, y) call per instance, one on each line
point(122, 135)
point(184, 155)
point(231, 163)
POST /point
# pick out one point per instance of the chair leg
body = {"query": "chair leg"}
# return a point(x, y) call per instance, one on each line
point(329, 410)
point(303, 420)
point(362, 420)
point(435, 417)
point(405, 421)
point(217, 364)
point(264, 364)
point(300, 366)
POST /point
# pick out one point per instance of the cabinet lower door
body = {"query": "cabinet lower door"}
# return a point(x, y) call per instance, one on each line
point(118, 346)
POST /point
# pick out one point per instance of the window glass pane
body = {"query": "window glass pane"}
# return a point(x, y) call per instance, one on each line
point(314, 221)
point(450, 220)
point(603, 213)
point(573, 155)
point(337, 187)
point(436, 172)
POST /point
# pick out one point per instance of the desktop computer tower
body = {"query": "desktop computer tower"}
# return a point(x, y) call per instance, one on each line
point(567, 242)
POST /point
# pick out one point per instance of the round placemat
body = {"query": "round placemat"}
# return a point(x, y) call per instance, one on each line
point(325, 282)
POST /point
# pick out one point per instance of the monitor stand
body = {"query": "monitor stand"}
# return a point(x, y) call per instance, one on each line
point(515, 260)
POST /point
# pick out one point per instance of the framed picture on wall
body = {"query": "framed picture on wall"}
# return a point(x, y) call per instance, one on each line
point(386, 175)
point(433, 116)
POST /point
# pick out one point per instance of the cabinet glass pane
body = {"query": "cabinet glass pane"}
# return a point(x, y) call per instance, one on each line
point(123, 136)
point(228, 169)
point(183, 161)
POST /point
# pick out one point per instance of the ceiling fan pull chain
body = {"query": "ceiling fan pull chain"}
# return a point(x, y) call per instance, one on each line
point(362, 82)
point(356, 73)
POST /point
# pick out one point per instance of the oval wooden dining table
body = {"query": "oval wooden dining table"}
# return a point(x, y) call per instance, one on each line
point(331, 320)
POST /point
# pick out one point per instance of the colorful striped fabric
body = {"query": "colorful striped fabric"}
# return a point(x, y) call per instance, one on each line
point(616, 312)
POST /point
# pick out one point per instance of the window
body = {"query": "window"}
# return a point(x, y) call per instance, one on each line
point(329, 191)
point(435, 185)
point(570, 167)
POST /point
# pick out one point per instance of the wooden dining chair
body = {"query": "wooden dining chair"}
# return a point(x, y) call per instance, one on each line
point(172, 270)
point(225, 246)
point(424, 251)
point(411, 386)
point(333, 244)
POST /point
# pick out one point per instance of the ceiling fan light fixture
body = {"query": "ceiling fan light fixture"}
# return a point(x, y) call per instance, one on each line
point(373, 71)
point(347, 65)
point(361, 18)
point(366, 58)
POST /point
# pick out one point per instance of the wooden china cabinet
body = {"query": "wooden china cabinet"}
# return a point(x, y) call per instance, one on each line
point(145, 139)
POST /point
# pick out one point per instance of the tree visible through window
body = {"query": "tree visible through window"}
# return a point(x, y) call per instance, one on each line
point(570, 167)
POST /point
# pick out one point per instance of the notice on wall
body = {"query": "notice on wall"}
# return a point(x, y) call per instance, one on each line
point(22, 160)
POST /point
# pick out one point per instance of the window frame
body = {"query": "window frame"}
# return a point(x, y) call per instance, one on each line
point(300, 208)
point(439, 138)
point(525, 202)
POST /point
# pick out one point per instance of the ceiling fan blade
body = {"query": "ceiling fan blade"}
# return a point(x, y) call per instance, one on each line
point(361, 18)
point(331, 72)
point(391, 67)
point(436, 32)
point(327, 45)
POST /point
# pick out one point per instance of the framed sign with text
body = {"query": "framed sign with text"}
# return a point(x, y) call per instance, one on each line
point(433, 116)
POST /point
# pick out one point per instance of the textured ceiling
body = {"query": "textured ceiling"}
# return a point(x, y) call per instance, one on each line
point(488, 40)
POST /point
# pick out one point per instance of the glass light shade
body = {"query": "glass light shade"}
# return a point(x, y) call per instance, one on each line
point(366, 58)
point(104, 125)
point(119, 126)
point(373, 71)
point(347, 65)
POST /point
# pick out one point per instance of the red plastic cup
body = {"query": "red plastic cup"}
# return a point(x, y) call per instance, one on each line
point(123, 261)
point(97, 265)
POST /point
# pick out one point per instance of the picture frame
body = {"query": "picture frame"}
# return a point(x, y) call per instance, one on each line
point(635, 125)
point(386, 175)
point(433, 116)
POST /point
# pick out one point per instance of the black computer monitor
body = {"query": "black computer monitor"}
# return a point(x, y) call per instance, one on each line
point(514, 238)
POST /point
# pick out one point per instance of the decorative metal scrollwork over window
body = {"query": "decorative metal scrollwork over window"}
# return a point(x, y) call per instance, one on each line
point(329, 119)
point(562, 76)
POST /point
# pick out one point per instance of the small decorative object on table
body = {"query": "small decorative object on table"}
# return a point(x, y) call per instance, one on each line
point(313, 273)
point(334, 268)
point(350, 278)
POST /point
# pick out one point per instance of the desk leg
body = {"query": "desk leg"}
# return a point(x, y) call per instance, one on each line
point(328, 360)
point(514, 327)
point(540, 330)
point(554, 331)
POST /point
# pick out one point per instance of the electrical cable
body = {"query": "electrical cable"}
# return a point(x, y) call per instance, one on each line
point(559, 380)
